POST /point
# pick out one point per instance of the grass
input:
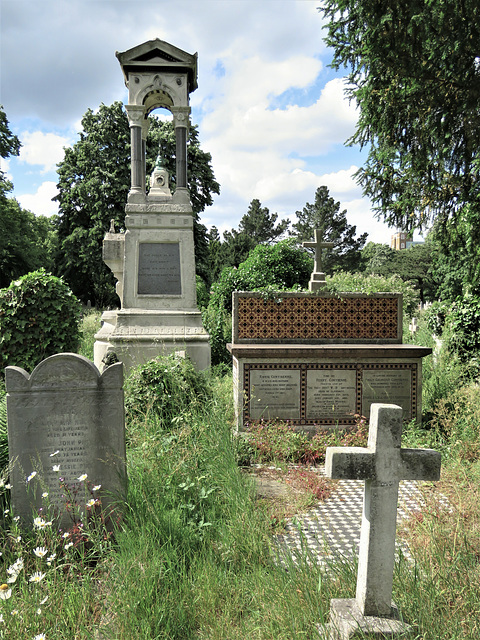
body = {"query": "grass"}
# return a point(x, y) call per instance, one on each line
point(193, 557)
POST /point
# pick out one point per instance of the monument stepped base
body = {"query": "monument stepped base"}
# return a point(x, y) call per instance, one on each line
point(348, 623)
point(137, 336)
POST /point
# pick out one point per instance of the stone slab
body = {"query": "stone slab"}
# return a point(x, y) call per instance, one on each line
point(328, 391)
point(159, 269)
point(348, 623)
point(65, 420)
point(389, 385)
point(331, 393)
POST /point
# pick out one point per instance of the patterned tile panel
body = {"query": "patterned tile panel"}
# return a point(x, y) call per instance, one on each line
point(316, 318)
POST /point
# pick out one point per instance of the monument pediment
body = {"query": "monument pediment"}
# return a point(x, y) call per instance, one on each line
point(160, 55)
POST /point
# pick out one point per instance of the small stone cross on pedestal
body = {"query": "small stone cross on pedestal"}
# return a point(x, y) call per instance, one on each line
point(382, 465)
point(317, 280)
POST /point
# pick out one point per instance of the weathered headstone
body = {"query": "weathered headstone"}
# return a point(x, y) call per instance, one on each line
point(382, 465)
point(65, 420)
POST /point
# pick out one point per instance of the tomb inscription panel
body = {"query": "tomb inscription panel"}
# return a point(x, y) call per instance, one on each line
point(388, 385)
point(326, 394)
point(275, 393)
point(331, 393)
point(159, 268)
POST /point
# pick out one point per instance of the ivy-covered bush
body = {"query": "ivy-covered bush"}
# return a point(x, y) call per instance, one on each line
point(163, 388)
point(39, 316)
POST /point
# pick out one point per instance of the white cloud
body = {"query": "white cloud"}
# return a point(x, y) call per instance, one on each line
point(44, 149)
point(40, 203)
point(5, 167)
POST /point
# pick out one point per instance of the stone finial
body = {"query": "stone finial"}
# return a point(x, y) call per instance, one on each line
point(159, 180)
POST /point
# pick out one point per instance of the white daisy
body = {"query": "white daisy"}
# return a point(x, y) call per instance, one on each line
point(40, 552)
point(5, 592)
point(31, 476)
point(36, 577)
point(83, 477)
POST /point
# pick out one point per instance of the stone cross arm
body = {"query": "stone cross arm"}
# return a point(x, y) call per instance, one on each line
point(359, 463)
point(318, 244)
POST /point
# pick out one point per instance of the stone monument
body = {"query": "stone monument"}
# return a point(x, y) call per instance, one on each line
point(382, 464)
point(65, 420)
point(154, 261)
point(319, 359)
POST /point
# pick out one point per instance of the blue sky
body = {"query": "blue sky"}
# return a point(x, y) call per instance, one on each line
point(269, 109)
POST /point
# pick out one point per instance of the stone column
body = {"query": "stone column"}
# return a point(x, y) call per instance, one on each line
point(136, 118)
point(181, 121)
point(145, 128)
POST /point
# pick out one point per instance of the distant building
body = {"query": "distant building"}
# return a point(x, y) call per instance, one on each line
point(401, 240)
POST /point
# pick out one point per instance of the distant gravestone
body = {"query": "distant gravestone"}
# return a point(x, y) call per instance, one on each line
point(65, 420)
point(371, 614)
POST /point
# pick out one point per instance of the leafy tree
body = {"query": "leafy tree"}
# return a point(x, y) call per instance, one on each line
point(214, 262)
point(325, 214)
point(456, 256)
point(9, 146)
point(256, 227)
point(415, 76)
point(413, 265)
point(94, 180)
point(26, 241)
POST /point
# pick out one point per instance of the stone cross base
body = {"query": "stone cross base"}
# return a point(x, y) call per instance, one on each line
point(348, 623)
point(317, 282)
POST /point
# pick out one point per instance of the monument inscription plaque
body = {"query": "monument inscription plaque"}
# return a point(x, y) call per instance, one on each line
point(64, 420)
point(331, 393)
point(389, 385)
point(275, 393)
point(159, 269)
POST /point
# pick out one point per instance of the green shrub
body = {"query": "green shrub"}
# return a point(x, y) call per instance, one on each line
point(435, 316)
point(343, 282)
point(163, 388)
point(90, 325)
point(462, 327)
point(202, 293)
point(39, 316)
point(273, 440)
point(456, 419)
point(281, 266)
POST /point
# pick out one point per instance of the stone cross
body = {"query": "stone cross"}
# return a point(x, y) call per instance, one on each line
point(317, 280)
point(382, 465)
point(318, 245)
